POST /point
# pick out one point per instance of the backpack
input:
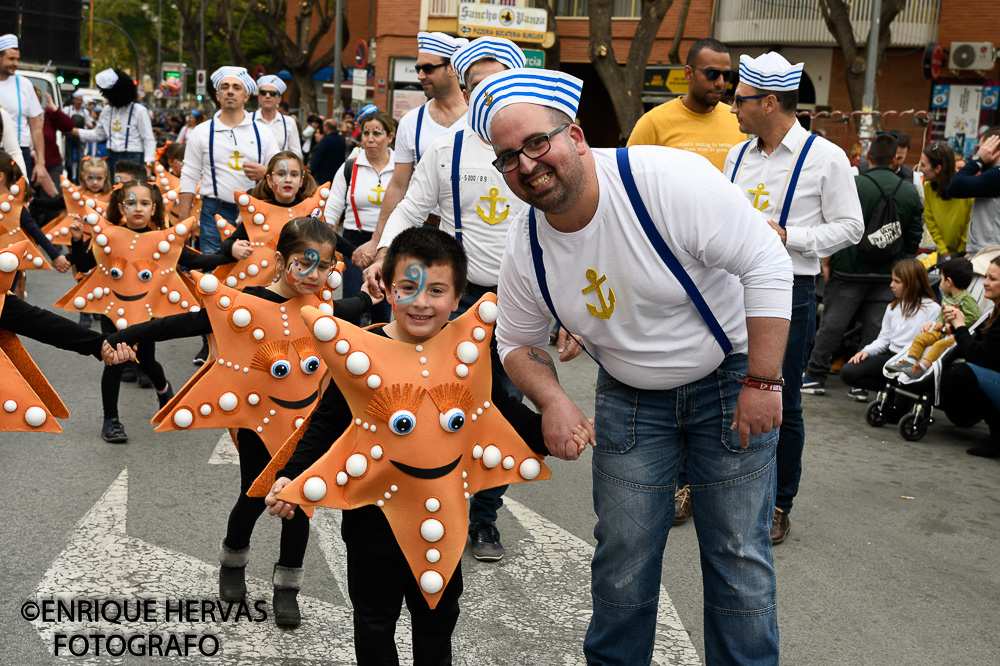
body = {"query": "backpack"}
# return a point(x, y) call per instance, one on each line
point(882, 240)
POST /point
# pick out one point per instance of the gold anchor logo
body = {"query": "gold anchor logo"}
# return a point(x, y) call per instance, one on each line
point(607, 307)
point(117, 126)
point(493, 199)
point(489, 99)
point(756, 197)
point(236, 156)
point(378, 195)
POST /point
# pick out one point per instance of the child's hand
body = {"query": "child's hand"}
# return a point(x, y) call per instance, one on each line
point(927, 326)
point(582, 438)
point(116, 355)
point(860, 356)
point(278, 507)
point(242, 249)
point(76, 229)
point(376, 298)
point(938, 325)
point(61, 263)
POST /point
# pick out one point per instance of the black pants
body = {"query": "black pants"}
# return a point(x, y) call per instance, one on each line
point(963, 400)
point(111, 380)
point(867, 374)
point(242, 519)
point(378, 580)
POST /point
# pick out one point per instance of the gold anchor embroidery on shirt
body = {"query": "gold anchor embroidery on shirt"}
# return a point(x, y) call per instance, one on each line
point(756, 197)
point(235, 156)
point(116, 126)
point(493, 199)
point(378, 195)
point(608, 306)
point(489, 99)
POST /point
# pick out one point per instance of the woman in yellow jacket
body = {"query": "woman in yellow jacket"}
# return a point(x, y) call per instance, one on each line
point(947, 219)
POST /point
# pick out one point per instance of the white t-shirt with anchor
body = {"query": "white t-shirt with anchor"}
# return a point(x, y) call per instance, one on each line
point(127, 129)
point(487, 205)
point(233, 146)
point(611, 288)
point(369, 188)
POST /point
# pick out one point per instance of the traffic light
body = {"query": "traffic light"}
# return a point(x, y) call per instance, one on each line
point(199, 98)
point(75, 81)
point(61, 79)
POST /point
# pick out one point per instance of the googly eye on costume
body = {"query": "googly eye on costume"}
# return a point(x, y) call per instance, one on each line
point(402, 422)
point(280, 369)
point(116, 273)
point(453, 420)
point(310, 365)
point(146, 275)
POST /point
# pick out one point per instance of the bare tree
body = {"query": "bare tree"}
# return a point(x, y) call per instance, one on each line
point(675, 46)
point(624, 84)
point(836, 15)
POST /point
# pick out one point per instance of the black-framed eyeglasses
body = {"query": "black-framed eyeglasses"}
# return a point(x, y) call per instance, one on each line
point(428, 69)
point(268, 93)
point(739, 99)
point(533, 149)
point(712, 73)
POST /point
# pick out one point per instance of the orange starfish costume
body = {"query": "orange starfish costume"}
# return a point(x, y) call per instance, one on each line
point(78, 202)
point(11, 231)
point(424, 437)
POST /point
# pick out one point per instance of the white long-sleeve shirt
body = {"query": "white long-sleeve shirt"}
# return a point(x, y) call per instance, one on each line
point(127, 129)
point(9, 139)
point(648, 334)
point(285, 131)
point(898, 331)
point(487, 205)
point(368, 188)
point(233, 146)
point(825, 215)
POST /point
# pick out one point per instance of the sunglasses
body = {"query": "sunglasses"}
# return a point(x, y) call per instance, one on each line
point(428, 69)
point(712, 73)
point(269, 93)
point(738, 99)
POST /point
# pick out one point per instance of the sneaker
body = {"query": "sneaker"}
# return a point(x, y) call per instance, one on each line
point(486, 546)
point(202, 355)
point(901, 365)
point(859, 394)
point(812, 386)
point(86, 319)
point(129, 373)
point(164, 398)
point(113, 432)
point(916, 371)
point(144, 380)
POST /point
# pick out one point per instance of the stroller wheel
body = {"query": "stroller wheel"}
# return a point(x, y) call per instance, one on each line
point(912, 427)
point(875, 415)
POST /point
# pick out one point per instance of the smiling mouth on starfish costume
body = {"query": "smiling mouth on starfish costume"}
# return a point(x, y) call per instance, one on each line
point(129, 298)
point(294, 404)
point(425, 472)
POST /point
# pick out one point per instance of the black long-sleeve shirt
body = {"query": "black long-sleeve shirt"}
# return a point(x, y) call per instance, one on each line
point(969, 182)
point(84, 259)
point(25, 319)
point(981, 347)
point(31, 227)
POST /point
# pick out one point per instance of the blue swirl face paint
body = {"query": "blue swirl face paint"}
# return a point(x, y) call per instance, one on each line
point(309, 255)
point(418, 273)
point(280, 172)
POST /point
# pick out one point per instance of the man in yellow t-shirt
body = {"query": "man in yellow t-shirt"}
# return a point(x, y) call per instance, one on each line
point(696, 122)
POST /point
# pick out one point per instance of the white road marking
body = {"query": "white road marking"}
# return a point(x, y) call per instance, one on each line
point(225, 452)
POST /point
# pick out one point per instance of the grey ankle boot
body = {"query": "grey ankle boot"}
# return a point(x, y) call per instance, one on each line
point(287, 583)
point(232, 573)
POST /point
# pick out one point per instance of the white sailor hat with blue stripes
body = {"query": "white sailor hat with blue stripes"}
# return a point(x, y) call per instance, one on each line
point(504, 51)
point(438, 43)
point(545, 87)
point(8, 41)
point(770, 72)
point(240, 73)
point(366, 111)
point(272, 80)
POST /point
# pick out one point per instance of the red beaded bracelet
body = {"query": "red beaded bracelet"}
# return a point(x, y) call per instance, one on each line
point(763, 386)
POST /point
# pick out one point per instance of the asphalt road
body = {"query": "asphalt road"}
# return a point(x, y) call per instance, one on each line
point(891, 558)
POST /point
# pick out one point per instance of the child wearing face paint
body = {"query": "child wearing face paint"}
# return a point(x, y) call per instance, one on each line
point(138, 206)
point(305, 258)
point(95, 177)
point(425, 274)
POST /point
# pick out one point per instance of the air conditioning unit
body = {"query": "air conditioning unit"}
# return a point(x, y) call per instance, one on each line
point(977, 56)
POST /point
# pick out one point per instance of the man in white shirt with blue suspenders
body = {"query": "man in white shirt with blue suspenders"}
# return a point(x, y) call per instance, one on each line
point(270, 88)
point(420, 127)
point(804, 186)
point(123, 122)
point(228, 153)
point(17, 97)
point(681, 292)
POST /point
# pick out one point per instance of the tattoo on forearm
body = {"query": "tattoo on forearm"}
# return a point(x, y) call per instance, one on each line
point(533, 355)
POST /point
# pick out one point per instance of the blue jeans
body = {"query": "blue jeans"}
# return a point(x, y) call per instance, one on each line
point(114, 157)
point(641, 437)
point(792, 439)
point(484, 505)
point(210, 240)
point(353, 278)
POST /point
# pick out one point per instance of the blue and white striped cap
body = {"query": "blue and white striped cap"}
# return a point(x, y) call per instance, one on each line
point(272, 80)
point(439, 43)
point(8, 42)
point(240, 73)
point(504, 51)
point(545, 87)
point(366, 111)
point(770, 72)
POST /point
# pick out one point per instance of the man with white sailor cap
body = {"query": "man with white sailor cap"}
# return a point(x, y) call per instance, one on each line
point(270, 88)
point(123, 122)
point(226, 154)
point(17, 97)
point(442, 114)
point(682, 294)
point(805, 189)
point(456, 174)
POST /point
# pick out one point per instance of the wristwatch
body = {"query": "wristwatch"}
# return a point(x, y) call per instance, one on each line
point(978, 160)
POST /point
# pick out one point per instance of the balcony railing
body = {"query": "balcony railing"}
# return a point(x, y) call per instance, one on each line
point(799, 22)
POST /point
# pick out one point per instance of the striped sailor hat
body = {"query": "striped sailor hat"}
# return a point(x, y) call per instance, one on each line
point(8, 42)
point(240, 73)
point(770, 72)
point(439, 43)
point(272, 80)
point(522, 86)
point(504, 51)
point(366, 110)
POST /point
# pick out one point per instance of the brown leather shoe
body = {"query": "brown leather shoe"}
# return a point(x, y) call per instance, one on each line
point(781, 525)
point(682, 505)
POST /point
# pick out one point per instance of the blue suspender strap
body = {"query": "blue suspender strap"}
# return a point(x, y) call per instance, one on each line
point(211, 156)
point(739, 160)
point(656, 240)
point(416, 142)
point(456, 158)
point(17, 85)
point(256, 133)
point(128, 126)
point(787, 206)
point(284, 129)
point(543, 285)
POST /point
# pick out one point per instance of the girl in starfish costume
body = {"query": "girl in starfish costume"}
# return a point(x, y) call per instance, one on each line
point(95, 193)
point(263, 377)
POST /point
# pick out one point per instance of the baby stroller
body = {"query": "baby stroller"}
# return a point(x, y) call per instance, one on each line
point(912, 401)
